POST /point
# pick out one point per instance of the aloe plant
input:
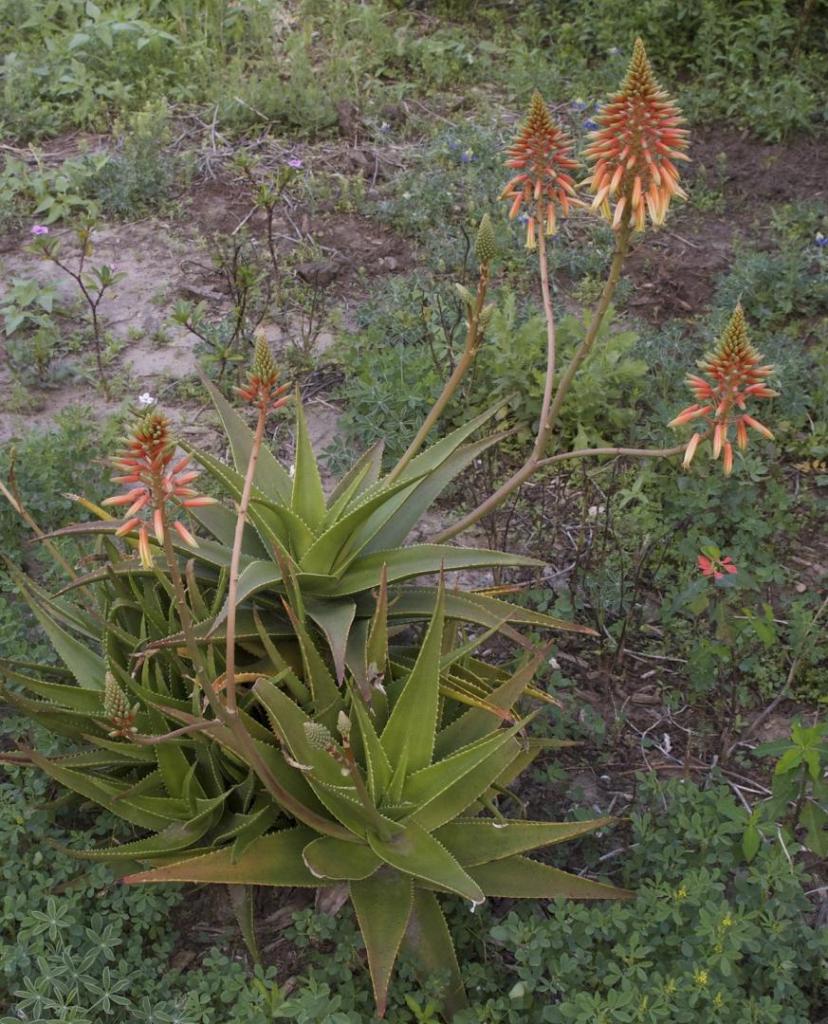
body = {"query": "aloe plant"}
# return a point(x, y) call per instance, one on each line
point(249, 702)
point(337, 548)
point(391, 790)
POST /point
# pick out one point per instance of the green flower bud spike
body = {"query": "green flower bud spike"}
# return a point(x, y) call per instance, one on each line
point(485, 246)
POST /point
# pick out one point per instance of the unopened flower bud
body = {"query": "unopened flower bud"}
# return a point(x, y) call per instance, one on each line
point(485, 317)
point(115, 700)
point(464, 294)
point(343, 725)
point(485, 246)
point(318, 735)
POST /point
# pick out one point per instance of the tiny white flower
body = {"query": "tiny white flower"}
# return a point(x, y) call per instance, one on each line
point(291, 470)
point(666, 744)
point(146, 399)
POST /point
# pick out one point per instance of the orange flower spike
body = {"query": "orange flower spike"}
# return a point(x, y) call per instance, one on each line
point(155, 480)
point(734, 376)
point(542, 153)
point(632, 152)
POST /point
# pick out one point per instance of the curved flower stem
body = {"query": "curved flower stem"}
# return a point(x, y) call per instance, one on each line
point(460, 370)
point(622, 241)
point(186, 730)
point(235, 558)
point(550, 407)
point(641, 453)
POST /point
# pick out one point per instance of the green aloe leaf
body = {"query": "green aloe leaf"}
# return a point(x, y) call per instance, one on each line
point(241, 900)
point(376, 649)
point(337, 860)
point(286, 531)
point(411, 728)
point(86, 666)
point(307, 498)
point(480, 609)
point(150, 813)
point(478, 841)
point(418, 560)
point(363, 474)
point(271, 478)
point(327, 697)
point(334, 549)
point(428, 940)
point(272, 533)
point(376, 761)
point(172, 762)
point(436, 454)
point(62, 721)
point(323, 772)
point(522, 878)
point(170, 840)
point(335, 619)
point(275, 860)
point(416, 852)
point(255, 576)
point(383, 905)
point(447, 788)
point(476, 723)
point(427, 490)
point(221, 523)
point(75, 697)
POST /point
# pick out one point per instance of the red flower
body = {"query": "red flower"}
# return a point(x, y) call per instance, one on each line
point(716, 567)
point(542, 153)
point(633, 150)
point(154, 481)
point(734, 375)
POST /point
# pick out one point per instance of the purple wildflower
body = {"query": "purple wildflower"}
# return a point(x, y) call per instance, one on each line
point(39, 229)
point(295, 163)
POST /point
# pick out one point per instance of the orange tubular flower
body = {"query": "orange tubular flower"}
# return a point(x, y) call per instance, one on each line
point(634, 148)
point(261, 388)
point(154, 479)
point(542, 153)
point(734, 375)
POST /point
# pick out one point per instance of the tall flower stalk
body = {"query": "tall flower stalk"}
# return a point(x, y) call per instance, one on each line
point(638, 139)
point(265, 394)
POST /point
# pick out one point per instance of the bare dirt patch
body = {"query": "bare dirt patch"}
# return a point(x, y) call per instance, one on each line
point(674, 271)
